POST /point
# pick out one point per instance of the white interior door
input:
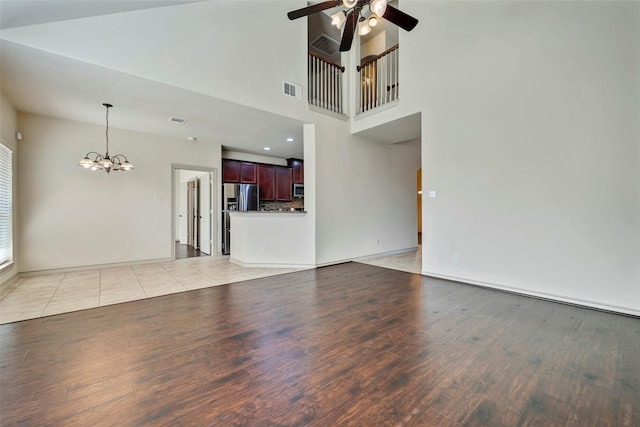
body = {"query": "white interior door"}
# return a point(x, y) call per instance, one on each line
point(205, 213)
point(182, 202)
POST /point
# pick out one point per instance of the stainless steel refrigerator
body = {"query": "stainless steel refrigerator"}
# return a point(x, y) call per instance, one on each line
point(236, 197)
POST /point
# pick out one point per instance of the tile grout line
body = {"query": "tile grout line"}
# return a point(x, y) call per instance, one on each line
point(53, 294)
point(139, 282)
point(173, 277)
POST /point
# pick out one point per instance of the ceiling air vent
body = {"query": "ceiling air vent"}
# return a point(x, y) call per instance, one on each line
point(325, 45)
point(177, 120)
point(292, 90)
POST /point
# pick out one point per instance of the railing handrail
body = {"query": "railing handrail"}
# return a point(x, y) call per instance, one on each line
point(372, 60)
point(333, 64)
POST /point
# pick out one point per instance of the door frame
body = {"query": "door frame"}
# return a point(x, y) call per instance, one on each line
point(213, 203)
point(193, 212)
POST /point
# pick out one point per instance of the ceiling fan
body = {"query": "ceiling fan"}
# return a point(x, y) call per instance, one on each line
point(352, 16)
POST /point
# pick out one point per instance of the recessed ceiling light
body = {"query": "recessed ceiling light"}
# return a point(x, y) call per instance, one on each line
point(290, 139)
point(267, 148)
point(192, 138)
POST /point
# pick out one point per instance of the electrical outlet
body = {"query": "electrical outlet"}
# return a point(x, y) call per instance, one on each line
point(264, 248)
point(377, 240)
point(129, 246)
point(455, 257)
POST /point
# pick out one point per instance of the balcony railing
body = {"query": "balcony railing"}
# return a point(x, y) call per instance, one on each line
point(378, 80)
point(325, 84)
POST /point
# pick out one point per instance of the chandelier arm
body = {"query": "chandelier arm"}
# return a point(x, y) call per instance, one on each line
point(118, 156)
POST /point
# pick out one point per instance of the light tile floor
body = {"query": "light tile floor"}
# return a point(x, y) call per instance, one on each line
point(410, 261)
point(30, 297)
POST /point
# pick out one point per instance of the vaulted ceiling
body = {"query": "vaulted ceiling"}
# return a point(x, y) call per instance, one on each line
point(51, 82)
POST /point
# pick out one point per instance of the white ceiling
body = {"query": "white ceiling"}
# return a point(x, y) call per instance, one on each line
point(18, 13)
point(41, 82)
point(44, 83)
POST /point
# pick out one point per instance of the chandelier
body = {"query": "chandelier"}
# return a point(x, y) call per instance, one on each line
point(118, 162)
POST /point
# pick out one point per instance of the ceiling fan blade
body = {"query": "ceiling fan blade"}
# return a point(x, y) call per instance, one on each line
point(349, 30)
point(295, 14)
point(401, 19)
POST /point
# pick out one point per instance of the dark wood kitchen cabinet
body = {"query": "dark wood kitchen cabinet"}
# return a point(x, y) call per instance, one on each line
point(267, 181)
point(249, 173)
point(283, 183)
point(297, 167)
point(231, 170)
point(235, 171)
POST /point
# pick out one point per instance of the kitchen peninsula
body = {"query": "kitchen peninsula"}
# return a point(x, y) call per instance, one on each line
point(272, 239)
point(279, 233)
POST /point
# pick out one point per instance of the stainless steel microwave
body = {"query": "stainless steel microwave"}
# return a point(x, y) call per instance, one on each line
point(298, 190)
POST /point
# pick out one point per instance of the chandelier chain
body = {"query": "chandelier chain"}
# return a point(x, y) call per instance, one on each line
point(107, 133)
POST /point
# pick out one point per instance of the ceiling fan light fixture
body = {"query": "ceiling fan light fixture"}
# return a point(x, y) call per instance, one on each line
point(363, 28)
point(378, 7)
point(338, 19)
point(373, 21)
point(349, 3)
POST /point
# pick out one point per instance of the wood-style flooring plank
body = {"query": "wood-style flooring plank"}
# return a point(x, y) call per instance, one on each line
point(346, 345)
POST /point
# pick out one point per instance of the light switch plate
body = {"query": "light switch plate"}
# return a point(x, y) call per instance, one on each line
point(432, 194)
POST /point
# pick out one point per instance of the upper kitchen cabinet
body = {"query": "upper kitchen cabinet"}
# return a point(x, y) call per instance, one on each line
point(249, 173)
point(235, 171)
point(283, 183)
point(267, 181)
point(231, 170)
point(297, 167)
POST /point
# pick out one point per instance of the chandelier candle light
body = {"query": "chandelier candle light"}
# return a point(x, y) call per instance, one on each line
point(118, 162)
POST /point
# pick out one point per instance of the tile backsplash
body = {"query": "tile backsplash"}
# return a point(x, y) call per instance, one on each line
point(297, 204)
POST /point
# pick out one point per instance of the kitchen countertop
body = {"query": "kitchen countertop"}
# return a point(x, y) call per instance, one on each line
point(269, 212)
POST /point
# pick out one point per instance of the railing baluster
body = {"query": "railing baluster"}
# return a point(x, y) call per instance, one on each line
point(384, 80)
point(310, 79)
point(331, 89)
point(325, 84)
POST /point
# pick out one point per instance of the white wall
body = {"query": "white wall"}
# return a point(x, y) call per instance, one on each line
point(375, 46)
point(8, 128)
point(74, 217)
point(247, 157)
point(531, 138)
point(365, 195)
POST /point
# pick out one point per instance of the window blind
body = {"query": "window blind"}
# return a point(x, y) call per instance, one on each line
point(6, 189)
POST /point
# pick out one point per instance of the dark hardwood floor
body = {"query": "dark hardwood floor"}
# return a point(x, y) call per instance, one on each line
point(350, 344)
point(187, 251)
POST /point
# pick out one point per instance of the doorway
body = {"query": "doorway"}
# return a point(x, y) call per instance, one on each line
point(192, 214)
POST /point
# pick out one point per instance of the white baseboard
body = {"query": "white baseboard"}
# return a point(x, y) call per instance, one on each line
point(267, 265)
point(540, 295)
point(366, 257)
point(92, 267)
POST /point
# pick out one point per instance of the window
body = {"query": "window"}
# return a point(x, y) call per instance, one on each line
point(6, 190)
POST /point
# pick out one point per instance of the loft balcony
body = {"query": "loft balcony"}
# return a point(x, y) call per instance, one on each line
point(377, 82)
point(341, 90)
point(378, 77)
